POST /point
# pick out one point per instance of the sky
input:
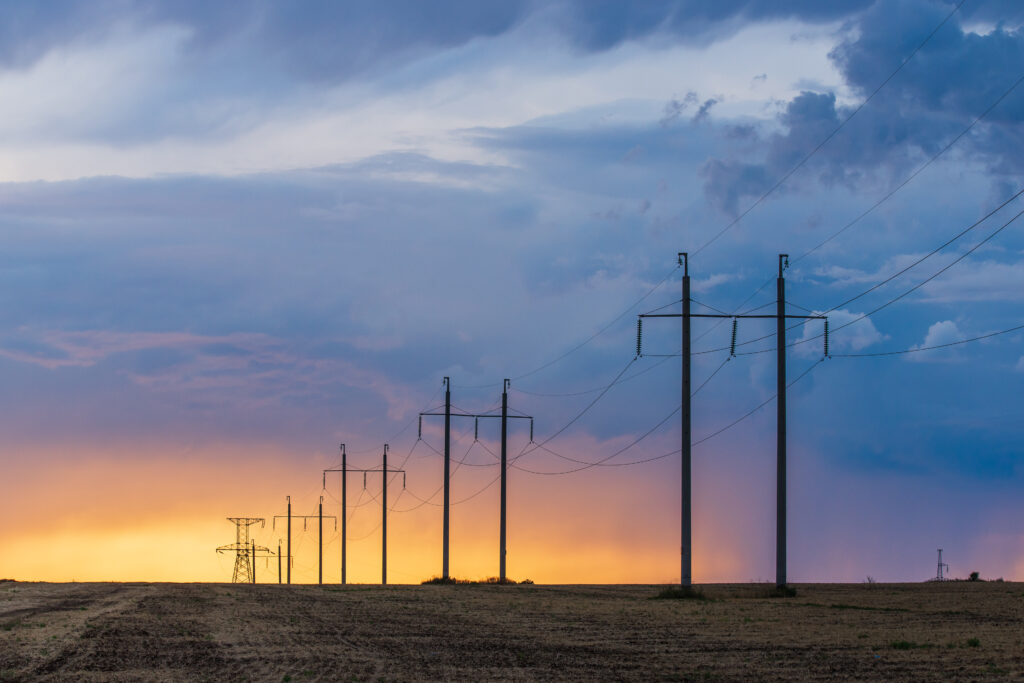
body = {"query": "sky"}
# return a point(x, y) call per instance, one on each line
point(234, 236)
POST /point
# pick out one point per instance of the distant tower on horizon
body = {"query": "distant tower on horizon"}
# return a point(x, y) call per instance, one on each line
point(244, 548)
point(942, 566)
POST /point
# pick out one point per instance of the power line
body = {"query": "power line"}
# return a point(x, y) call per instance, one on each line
point(586, 341)
point(882, 200)
point(928, 348)
point(895, 275)
point(602, 461)
point(665, 359)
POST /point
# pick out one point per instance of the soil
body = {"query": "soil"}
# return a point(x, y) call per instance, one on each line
point(225, 632)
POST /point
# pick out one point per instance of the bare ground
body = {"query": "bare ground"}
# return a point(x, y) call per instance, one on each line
point(196, 632)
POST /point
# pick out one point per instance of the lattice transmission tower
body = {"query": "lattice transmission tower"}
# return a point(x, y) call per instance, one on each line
point(245, 549)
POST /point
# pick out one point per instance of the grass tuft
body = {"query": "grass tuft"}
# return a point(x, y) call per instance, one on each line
point(973, 642)
point(679, 593)
point(452, 581)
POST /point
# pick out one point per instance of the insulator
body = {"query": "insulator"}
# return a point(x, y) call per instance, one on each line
point(639, 336)
point(531, 430)
point(325, 480)
point(303, 523)
point(419, 433)
point(732, 346)
point(826, 337)
point(403, 480)
point(364, 481)
point(476, 429)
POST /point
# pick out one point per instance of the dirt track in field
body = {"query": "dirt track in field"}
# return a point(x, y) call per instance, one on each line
point(217, 632)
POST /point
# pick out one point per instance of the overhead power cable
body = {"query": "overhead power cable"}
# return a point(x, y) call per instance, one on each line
point(583, 343)
point(884, 198)
point(915, 349)
point(604, 461)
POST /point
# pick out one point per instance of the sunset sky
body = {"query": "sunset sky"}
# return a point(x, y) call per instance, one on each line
point(235, 235)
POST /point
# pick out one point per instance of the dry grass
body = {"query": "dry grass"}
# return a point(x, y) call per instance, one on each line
point(104, 632)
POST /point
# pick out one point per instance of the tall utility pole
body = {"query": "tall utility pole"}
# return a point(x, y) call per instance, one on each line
point(304, 518)
point(686, 548)
point(384, 520)
point(502, 523)
point(344, 470)
point(446, 504)
point(780, 428)
point(279, 560)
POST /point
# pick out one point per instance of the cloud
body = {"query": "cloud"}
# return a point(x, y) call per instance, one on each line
point(952, 80)
point(854, 336)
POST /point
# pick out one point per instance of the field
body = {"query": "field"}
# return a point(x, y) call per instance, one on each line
point(194, 632)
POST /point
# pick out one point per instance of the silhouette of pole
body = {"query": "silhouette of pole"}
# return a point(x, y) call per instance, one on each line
point(320, 541)
point(504, 477)
point(447, 473)
point(780, 477)
point(254, 561)
point(685, 549)
point(384, 521)
point(289, 563)
point(344, 513)
point(279, 560)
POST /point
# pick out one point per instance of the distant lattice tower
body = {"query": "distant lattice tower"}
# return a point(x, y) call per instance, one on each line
point(244, 548)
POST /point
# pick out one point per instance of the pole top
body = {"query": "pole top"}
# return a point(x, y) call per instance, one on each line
point(289, 498)
point(783, 263)
point(446, 382)
point(684, 261)
point(507, 384)
point(385, 449)
point(343, 449)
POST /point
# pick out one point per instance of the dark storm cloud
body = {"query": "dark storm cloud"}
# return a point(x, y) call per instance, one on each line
point(322, 40)
point(946, 85)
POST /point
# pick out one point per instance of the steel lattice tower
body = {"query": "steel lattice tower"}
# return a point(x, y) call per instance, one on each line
point(244, 548)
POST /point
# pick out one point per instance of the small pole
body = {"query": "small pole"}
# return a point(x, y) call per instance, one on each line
point(289, 539)
point(780, 477)
point(504, 477)
point(279, 560)
point(254, 561)
point(447, 471)
point(344, 512)
point(686, 551)
point(320, 543)
point(384, 522)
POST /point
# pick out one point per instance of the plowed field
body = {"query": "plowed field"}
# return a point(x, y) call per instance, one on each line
point(223, 632)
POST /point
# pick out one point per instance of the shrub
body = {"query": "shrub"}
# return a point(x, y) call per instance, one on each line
point(973, 642)
point(974, 577)
point(679, 593)
point(782, 592)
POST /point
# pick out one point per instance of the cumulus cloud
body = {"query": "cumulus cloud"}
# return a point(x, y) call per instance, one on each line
point(855, 336)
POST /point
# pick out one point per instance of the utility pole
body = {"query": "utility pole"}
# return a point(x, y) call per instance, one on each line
point(686, 519)
point(344, 470)
point(686, 450)
point(279, 561)
point(384, 520)
point(305, 518)
point(446, 504)
point(320, 541)
point(780, 428)
point(502, 516)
